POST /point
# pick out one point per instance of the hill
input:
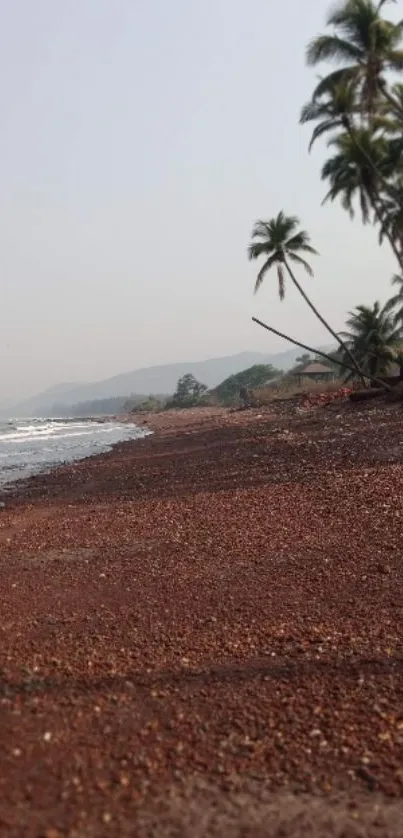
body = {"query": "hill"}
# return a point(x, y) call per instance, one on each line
point(159, 379)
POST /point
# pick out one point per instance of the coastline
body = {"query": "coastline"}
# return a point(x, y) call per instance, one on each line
point(27, 469)
point(211, 610)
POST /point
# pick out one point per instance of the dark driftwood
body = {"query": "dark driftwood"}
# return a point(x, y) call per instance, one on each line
point(396, 394)
point(365, 395)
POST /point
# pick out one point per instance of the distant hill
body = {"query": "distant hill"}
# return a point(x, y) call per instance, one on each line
point(149, 380)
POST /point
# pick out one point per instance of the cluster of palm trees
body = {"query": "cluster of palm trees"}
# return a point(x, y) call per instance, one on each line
point(360, 110)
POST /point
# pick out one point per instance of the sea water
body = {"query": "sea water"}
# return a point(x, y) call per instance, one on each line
point(29, 446)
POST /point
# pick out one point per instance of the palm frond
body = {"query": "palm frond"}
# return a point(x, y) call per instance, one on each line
point(284, 225)
point(295, 258)
point(263, 271)
point(323, 128)
point(331, 48)
point(347, 75)
point(374, 335)
point(301, 241)
point(261, 229)
point(382, 3)
point(397, 279)
point(395, 59)
point(257, 249)
point(311, 111)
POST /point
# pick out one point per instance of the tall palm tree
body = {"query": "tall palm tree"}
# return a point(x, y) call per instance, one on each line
point(395, 304)
point(367, 45)
point(281, 242)
point(351, 176)
point(373, 337)
point(337, 108)
point(391, 220)
point(332, 110)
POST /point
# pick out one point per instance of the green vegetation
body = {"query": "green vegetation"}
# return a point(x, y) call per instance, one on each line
point(189, 393)
point(359, 110)
point(237, 386)
point(148, 404)
point(374, 338)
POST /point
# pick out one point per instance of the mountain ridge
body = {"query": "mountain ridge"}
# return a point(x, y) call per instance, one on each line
point(159, 379)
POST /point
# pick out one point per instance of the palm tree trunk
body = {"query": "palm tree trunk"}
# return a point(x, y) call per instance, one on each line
point(378, 381)
point(324, 322)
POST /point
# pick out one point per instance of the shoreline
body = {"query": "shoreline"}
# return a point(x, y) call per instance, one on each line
point(14, 486)
point(161, 424)
point(207, 617)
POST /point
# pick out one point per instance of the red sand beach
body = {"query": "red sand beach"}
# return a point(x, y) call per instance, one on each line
point(201, 632)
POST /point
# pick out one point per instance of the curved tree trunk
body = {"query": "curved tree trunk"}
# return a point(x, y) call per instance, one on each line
point(327, 326)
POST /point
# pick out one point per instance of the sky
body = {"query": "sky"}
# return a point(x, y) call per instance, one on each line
point(140, 140)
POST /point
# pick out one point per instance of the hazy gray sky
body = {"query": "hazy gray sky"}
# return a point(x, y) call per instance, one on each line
point(139, 141)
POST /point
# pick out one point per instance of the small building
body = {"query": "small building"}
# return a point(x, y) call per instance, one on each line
point(315, 372)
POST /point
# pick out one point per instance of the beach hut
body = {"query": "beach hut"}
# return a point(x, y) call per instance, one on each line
point(315, 372)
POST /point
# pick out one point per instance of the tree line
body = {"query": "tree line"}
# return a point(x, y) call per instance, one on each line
point(359, 110)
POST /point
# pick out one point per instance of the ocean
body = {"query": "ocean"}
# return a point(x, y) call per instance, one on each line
point(30, 446)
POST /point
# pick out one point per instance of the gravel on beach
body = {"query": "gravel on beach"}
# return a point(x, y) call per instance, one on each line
point(201, 632)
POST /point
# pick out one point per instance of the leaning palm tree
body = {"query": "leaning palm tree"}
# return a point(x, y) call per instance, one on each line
point(280, 242)
point(367, 45)
point(374, 338)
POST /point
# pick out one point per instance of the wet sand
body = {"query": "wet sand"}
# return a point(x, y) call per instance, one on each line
point(201, 632)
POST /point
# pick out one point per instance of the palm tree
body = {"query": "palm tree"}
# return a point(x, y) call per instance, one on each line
point(395, 304)
point(337, 108)
point(280, 239)
point(351, 176)
point(373, 337)
point(281, 242)
point(332, 110)
point(391, 220)
point(392, 118)
point(367, 45)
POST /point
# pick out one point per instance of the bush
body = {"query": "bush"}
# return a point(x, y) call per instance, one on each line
point(149, 405)
point(236, 388)
point(189, 393)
